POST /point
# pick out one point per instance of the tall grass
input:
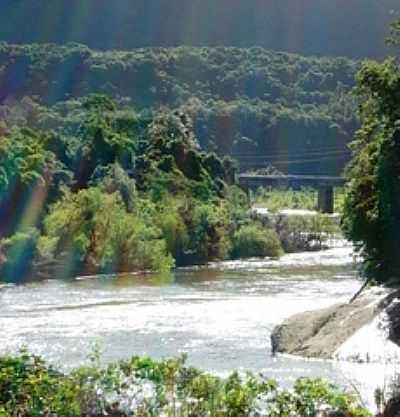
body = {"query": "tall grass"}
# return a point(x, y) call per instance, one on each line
point(276, 199)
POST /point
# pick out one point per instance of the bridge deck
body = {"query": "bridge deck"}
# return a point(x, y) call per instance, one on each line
point(290, 180)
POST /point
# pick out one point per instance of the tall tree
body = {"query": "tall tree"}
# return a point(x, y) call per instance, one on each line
point(372, 207)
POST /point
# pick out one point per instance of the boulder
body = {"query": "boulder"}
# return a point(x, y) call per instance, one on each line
point(319, 334)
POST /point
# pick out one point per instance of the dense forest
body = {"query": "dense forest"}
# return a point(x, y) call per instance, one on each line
point(111, 190)
point(353, 28)
point(260, 106)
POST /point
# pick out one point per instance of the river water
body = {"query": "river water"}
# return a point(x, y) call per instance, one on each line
point(221, 316)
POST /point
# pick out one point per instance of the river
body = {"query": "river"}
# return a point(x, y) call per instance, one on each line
point(221, 316)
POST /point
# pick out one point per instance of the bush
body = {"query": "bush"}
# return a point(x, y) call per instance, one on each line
point(113, 178)
point(97, 231)
point(28, 388)
point(173, 228)
point(253, 241)
point(143, 387)
point(299, 233)
point(279, 199)
point(17, 254)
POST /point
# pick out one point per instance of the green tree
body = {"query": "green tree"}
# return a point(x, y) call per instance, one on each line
point(17, 254)
point(372, 205)
point(95, 230)
point(103, 138)
point(29, 173)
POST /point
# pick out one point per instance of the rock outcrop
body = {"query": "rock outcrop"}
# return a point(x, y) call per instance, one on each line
point(332, 333)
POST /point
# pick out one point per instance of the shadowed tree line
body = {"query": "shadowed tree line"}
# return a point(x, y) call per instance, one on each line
point(256, 105)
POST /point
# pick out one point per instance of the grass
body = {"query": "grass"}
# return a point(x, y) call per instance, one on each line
point(276, 199)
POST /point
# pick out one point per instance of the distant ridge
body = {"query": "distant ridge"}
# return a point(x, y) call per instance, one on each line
point(353, 28)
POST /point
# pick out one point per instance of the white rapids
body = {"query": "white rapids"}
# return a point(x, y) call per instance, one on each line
point(221, 316)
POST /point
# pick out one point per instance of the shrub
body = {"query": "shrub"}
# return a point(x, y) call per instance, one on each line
point(113, 178)
point(17, 254)
point(95, 228)
point(28, 388)
point(173, 229)
point(299, 233)
point(279, 199)
point(143, 387)
point(253, 241)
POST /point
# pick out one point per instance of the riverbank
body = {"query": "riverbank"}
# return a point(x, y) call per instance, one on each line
point(365, 330)
point(143, 387)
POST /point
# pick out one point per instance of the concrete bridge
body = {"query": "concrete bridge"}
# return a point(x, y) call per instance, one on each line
point(324, 184)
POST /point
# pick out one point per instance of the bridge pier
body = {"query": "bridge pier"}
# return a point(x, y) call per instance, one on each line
point(326, 199)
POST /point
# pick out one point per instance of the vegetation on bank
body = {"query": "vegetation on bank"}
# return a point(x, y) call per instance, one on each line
point(280, 199)
point(142, 387)
point(307, 233)
point(254, 104)
point(111, 190)
point(372, 205)
point(255, 241)
point(276, 199)
point(297, 231)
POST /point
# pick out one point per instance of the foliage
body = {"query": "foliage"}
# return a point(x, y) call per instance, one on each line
point(96, 229)
point(254, 241)
point(372, 210)
point(113, 178)
point(279, 199)
point(28, 387)
point(309, 232)
point(113, 190)
point(103, 137)
point(24, 158)
point(17, 254)
point(143, 387)
point(394, 38)
point(276, 200)
point(29, 172)
point(257, 105)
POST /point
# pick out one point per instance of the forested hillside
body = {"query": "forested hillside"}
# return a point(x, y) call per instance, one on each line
point(354, 28)
point(262, 106)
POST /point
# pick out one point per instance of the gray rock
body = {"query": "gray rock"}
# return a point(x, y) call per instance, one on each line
point(318, 334)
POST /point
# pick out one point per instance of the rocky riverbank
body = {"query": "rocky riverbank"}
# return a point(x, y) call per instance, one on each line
point(366, 330)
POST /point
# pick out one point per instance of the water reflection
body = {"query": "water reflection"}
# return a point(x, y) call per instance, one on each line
point(127, 280)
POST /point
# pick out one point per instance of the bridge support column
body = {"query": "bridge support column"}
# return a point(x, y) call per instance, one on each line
point(325, 199)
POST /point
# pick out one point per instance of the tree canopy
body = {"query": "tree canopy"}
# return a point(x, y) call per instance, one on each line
point(257, 105)
point(372, 207)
